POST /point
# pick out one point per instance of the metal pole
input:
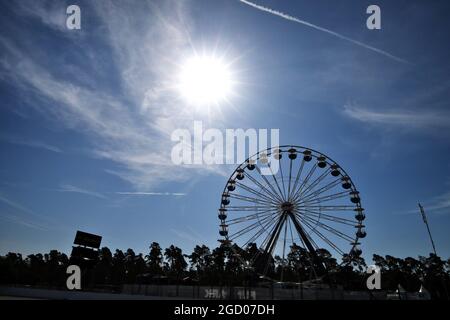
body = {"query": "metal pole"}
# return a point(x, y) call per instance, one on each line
point(425, 220)
point(424, 217)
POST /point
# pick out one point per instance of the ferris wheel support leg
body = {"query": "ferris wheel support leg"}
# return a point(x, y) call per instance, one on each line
point(308, 244)
point(274, 237)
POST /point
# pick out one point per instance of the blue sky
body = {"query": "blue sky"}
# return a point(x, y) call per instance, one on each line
point(86, 115)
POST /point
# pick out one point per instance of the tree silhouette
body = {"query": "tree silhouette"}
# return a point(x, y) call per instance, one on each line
point(299, 262)
point(200, 260)
point(103, 269)
point(217, 268)
point(37, 268)
point(130, 267)
point(155, 259)
point(225, 265)
point(435, 276)
point(176, 263)
point(118, 267)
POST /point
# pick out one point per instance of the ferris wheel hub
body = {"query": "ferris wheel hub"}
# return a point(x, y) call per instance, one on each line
point(287, 207)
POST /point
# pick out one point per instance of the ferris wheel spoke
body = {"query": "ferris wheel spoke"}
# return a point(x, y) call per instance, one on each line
point(309, 224)
point(314, 244)
point(331, 208)
point(299, 173)
point(241, 209)
point(284, 249)
point(269, 234)
point(321, 236)
point(251, 199)
point(272, 193)
point(258, 169)
point(276, 181)
point(290, 229)
point(257, 213)
point(274, 223)
point(282, 179)
point(247, 218)
point(290, 176)
point(336, 232)
point(326, 240)
point(304, 246)
point(314, 183)
point(262, 187)
point(253, 191)
point(249, 227)
point(331, 229)
point(327, 197)
point(305, 182)
point(270, 245)
point(328, 217)
point(323, 189)
point(255, 237)
point(277, 238)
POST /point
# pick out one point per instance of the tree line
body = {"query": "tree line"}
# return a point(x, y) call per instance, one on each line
point(225, 266)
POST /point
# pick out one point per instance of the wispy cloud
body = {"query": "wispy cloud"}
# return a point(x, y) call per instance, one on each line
point(440, 203)
point(48, 12)
point(152, 193)
point(15, 205)
point(129, 125)
point(22, 219)
point(74, 189)
point(406, 119)
point(30, 143)
point(188, 235)
point(333, 33)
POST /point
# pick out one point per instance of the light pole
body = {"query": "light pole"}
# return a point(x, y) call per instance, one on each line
point(425, 220)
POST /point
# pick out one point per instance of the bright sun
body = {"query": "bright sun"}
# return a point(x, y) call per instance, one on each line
point(205, 81)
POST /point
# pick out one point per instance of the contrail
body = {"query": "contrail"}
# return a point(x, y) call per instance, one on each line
point(152, 193)
point(340, 36)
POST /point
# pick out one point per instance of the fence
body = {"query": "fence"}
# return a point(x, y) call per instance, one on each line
point(250, 293)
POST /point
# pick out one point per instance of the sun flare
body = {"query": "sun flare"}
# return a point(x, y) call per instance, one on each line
point(205, 81)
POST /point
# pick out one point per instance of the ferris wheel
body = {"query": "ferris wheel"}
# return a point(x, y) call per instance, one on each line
point(307, 200)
